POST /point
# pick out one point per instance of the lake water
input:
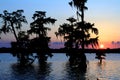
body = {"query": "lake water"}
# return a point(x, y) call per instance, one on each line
point(57, 68)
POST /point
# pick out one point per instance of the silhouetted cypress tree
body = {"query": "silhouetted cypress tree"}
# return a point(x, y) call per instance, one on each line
point(38, 27)
point(77, 34)
point(12, 22)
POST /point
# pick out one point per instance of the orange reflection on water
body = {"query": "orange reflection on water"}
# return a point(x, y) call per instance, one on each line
point(107, 70)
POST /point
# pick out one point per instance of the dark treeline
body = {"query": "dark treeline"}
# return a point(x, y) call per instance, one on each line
point(76, 34)
point(62, 50)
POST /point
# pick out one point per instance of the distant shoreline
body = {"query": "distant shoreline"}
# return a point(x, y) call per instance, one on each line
point(10, 50)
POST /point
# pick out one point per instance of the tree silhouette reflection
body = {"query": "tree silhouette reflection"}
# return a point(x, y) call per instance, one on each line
point(43, 71)
point(23, 73)
point(33, 72)
point(74, 73)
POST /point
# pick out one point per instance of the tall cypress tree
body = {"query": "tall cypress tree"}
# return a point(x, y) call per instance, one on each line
point(77, 34)
point(38, 27)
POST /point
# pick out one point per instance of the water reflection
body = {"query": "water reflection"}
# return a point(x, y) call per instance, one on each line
point(101, 73)
point(101, 66)
point(74, 73)
point(43, 71)
point(58, 71)
point(61, 70)
point(22, 73)
point(35, 72)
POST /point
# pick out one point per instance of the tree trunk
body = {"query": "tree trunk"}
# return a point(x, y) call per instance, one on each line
point(83, 64)
point(14, 32)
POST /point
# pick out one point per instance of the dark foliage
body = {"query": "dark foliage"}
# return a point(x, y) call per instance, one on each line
point(40, 42)
point(77, 34)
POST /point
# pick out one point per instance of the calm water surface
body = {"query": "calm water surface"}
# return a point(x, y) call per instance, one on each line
point(57, 68)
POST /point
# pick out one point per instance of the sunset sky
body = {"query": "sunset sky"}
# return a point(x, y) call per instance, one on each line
point(104, 13)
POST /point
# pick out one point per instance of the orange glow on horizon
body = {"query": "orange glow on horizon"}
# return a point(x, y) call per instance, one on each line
point(102, 46)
